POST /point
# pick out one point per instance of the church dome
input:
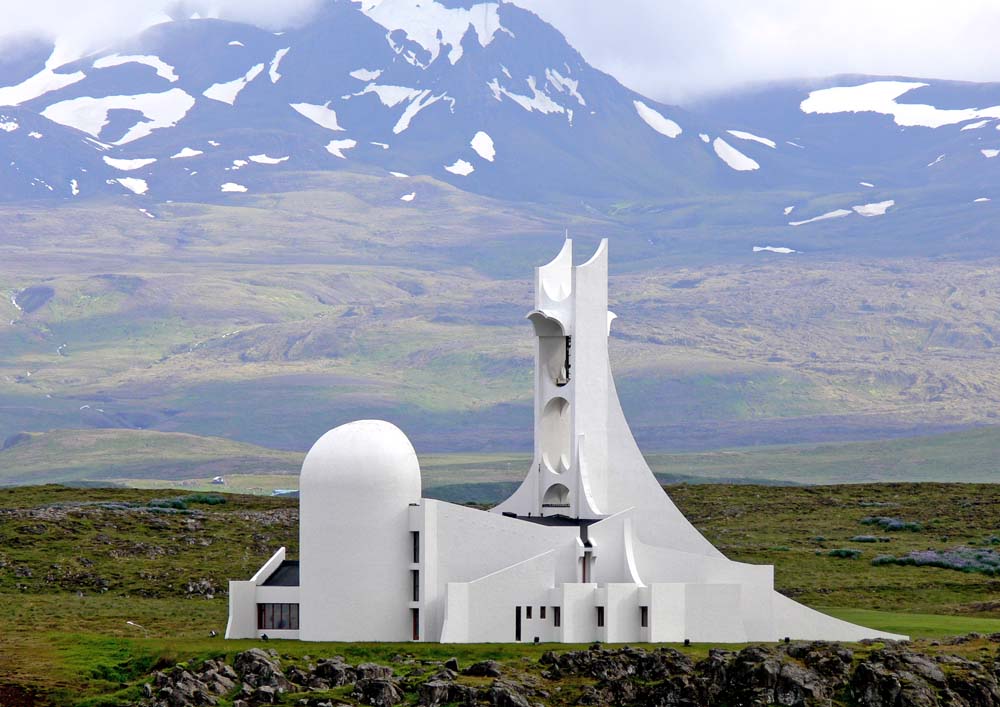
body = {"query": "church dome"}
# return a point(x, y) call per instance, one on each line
point(363, 458)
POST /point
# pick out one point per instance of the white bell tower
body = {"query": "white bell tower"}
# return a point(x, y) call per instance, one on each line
point(569, 474)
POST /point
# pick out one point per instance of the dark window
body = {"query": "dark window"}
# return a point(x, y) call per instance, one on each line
point(527, 612)
point(644, 616)
point(557, 616)
point(416, 546)
point(541, 612)
point(415, 618)
point(284, 617)
point(416, 584)
point(517, 623)
point(600, 617)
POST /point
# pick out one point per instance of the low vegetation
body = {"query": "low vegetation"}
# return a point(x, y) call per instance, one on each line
point(99, 587)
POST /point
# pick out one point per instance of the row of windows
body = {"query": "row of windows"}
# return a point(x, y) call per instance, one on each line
point(278, 616)
point(557, 617)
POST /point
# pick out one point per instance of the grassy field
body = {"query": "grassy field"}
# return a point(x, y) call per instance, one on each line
point(271, 321)
point(77, 564)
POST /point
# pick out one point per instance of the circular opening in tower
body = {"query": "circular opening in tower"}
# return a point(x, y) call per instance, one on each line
point(556, 432)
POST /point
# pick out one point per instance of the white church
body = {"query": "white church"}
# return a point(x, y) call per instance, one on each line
point(589, 548)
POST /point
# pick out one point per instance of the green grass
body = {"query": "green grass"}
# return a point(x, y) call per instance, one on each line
point(97, 558)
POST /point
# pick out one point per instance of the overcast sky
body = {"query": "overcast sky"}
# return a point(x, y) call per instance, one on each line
point(672, 50)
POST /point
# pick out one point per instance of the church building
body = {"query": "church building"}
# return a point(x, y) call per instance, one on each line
point(589, 547)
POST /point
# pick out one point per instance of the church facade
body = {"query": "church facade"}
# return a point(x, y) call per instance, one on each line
point(589, 547)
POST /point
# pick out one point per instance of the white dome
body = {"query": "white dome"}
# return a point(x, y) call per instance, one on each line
point(362, 458)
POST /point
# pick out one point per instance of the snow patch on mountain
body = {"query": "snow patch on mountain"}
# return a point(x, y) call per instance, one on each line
point(981, 199)
point(750, 136)
point(264, 159)
point(323, 115)
point(655, 120)
point(365, 74)
point(133, 184)
point(9, 126)
point(565, 85)
point(74, 187)
point(390, 96)
point(866, 184)
point(399, 175)
point(35, 134)
point(415, 106)
point(936, 160)
point(788, 210)
point(773, 249)
point(482, 143)
point(187, 152)
point(337, 147)
point(162, 68)
point(704, 138)
point(836, 213)
point(880, 97)
point(236, 43)
point(45, 81)
point(232, 187)
point(228, 91)
point(432, 25)
point(272, 70)
point(733, 157)
point(408, 197)
point(90, 115)
point(539, 100)
point(975, 126)
point(128, 165)
point(877, 209)
point(990, 153)
point(461, 168)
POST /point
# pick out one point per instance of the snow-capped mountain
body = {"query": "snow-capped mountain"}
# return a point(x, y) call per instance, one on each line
point(486, 96)
point(483, 95)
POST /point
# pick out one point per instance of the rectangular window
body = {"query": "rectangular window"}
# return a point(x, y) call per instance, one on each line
point(557, 616)
point(644, 616)
point(416, 584)
point(600, 617)
point(541, 612)
point(278, 617)
point(415, 619)
point(416, 546)
point(517, 623)
point(527, 612)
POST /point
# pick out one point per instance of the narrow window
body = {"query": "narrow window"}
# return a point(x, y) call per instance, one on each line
point(295, 617)
point(600, 617)
point(517, 623)
point(416, 546)
point(269, 616)
point(586, 568)
point(284, 616)
point(415, 620)
point(260, 616)
point(541, 612)
point(527, 612)
point(415, 574)
point(557, 616)
point(644, 616)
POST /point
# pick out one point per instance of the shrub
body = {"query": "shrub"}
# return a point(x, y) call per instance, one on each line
point(962, 559)
point(845, 552)
point(175, 503)
point(891, 524)
point(818, 539)
point(208, 499)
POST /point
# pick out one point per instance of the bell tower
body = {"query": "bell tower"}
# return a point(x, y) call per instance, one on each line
point(569, 474)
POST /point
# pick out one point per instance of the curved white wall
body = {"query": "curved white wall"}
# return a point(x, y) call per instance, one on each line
point(356, 486)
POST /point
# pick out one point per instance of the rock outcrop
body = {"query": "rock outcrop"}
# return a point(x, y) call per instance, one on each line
point(792, 675)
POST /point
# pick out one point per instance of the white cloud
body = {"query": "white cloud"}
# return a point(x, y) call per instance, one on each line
point(686, 49)
point(82, 27)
